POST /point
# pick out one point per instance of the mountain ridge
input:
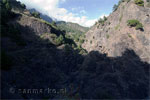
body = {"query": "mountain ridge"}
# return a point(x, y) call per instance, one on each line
point(37, 56)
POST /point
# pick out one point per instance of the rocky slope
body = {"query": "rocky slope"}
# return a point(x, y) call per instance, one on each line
point(35, 67)
point(115, 36)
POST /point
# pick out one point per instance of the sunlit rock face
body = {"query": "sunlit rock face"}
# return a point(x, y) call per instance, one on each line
point(115, 35)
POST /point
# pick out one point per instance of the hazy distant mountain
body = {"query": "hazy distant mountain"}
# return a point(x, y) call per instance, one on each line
point(71, 28)
point(43, 16)
point(67, 26)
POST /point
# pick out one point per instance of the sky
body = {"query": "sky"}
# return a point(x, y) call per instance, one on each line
point(83, 12)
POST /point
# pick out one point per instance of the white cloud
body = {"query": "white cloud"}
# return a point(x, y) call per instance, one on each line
point(50, 7)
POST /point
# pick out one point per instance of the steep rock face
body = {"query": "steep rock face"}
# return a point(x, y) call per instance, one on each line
point(36, 25)
point(115, 36)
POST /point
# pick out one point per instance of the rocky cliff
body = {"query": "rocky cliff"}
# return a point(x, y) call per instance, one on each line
point(39, 62)
point(115, 36)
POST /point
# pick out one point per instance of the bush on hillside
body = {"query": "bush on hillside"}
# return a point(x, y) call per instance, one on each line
point(139, 2)
point(23, 6)
point(60, 40)
point(139, 26)
point(81, 41)
point(115, 7)
point(54, 23)
point(6, 5)
point(102, 20)
point(135, 23)
point(36, 14)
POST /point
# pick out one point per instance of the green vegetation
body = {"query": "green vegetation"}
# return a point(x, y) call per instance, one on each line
point(102, 20)
point(120, 17)
point(46, 22)
point(54, 23)
point(74, 35)
point(81, 41)
point(65, 40)
point(78, 38)
point(115, 7)
point(129, 35)
point(36, 14)
point(16, 5)
point(91, 42)
point(117, 27)
point(23, 6)
point(107, 36)
point(139, 2)
point(54, 29)
point(59, 40)
point(135, 23)
point(5, 11)
point(72, 28)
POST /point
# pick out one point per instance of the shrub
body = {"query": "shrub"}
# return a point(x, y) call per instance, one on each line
point(82, 51)
point(60, 40)
point(6, 5)
point(105, 18)
point(139, 26)
point(135, 23)
point(107, 36)
point(54, 23)
point(129, 35)
point(4, 1)
point(115, 7)
point(81, 41)
point(35, 14)
point(102, 20)
point(139, 2)
point(91, 42)
point(23, 6)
